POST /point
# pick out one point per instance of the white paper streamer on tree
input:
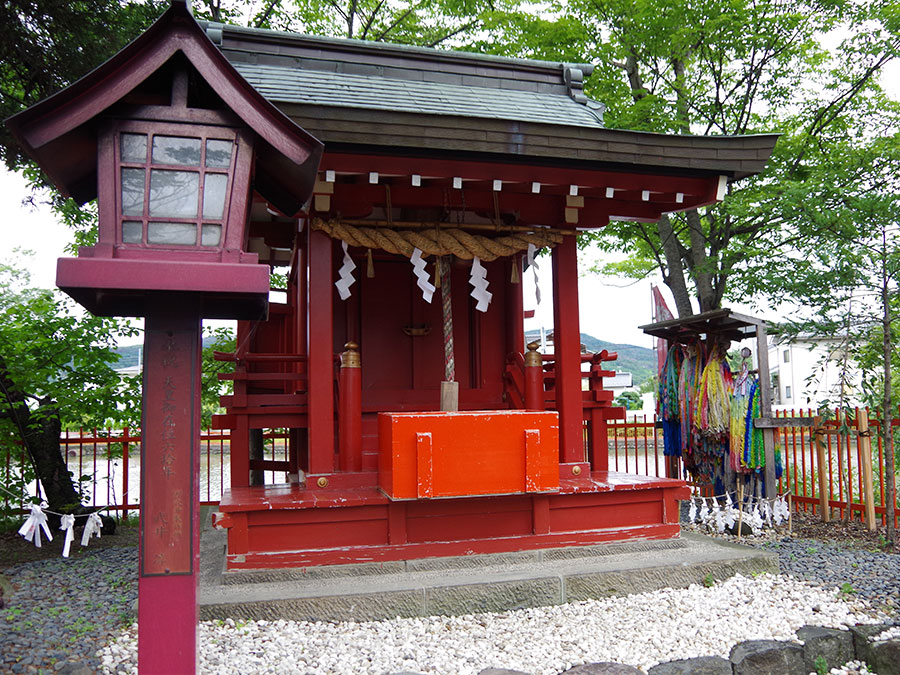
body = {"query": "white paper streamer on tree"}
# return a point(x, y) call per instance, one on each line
point(692, 512)
point(532, 249)
point(421, 275)
point(31, 528)
point(478, 281)
point(67, 525)
point(346, 279)
point(91, 528)
point(704, 510)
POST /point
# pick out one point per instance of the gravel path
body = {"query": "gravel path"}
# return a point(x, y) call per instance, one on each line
point(61, 612)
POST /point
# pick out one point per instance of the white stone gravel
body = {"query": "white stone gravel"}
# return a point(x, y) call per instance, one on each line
point(641, 630)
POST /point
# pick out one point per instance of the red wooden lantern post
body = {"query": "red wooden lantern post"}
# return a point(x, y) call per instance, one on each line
point(350, 417)
point(167, 136)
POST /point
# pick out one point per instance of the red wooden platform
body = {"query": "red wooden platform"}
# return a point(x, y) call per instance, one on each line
point(288, 525)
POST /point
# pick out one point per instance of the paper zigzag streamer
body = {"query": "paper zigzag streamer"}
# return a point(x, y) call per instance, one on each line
point(421, 275)
point(478, 281)
point(31, 528)
point(346, 279)
point(532, 249)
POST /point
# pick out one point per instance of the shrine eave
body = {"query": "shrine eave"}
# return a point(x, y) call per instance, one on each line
point(714, 323)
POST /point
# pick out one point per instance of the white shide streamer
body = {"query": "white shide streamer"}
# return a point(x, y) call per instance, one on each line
point(478, 281)
point(421, 275)
point(346, 279)
point(532, 249)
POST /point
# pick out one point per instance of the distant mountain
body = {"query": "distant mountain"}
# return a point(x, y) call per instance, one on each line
point(130, 355)
point(639, 361)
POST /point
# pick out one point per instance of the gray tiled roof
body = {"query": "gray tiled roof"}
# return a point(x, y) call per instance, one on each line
point(313, 87)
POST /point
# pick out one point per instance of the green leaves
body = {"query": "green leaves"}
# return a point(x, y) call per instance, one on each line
point(58, 359)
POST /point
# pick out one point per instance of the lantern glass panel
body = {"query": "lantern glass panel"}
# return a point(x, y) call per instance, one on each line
point(134, 148)
point(132, 192)
point(214, 190)
point(182, 234)
point(210, 235)
point(132, 231)
point(174, 194)
point(176, 150)
point(218, 153)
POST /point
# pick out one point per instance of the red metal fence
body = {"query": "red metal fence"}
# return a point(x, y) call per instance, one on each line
point(108, 461)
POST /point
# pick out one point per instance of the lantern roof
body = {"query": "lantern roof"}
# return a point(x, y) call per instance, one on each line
point(60, 132)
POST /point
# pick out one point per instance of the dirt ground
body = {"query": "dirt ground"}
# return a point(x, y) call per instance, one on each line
point(14, 549)
point(847, 535)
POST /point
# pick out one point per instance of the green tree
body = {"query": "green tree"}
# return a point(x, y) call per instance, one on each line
point(731, 68)
point(630, 400)
point(56, 372)
point(854, 196)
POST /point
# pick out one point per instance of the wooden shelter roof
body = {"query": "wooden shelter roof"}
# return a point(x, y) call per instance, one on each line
point(717, 322)
point(358, 96)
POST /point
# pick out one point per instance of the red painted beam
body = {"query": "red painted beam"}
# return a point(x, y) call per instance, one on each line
point(567, 347)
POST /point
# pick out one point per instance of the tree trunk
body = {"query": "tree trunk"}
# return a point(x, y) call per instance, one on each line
point(699, 263)
point(39, 431)
point(674, 278)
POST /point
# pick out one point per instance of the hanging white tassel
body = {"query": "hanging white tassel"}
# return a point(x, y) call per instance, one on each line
point(704, 510)
point(346, 279)
point(421, 275)
point(31, 528)
point(67, 525)
point(692, 512)
point(532, 249)
point(767, 512)
point(719, 517)
point(91, 528)
point(756, 519)
point(730, 514)
point(478, 281)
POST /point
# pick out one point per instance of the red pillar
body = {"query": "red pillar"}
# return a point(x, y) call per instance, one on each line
point(320, 343)
point(350, 414)
point(567, 348)
point(170, 465)
point(534, 378)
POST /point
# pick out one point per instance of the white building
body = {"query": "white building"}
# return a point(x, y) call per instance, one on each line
point(807, 372)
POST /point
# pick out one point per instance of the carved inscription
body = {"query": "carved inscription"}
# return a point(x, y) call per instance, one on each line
point(167, 461)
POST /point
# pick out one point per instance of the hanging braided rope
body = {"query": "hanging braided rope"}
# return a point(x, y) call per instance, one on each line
point(447, 311)
point(438, 242)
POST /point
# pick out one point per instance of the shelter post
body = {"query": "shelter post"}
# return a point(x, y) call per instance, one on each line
point(320, 339)
point(567, 351)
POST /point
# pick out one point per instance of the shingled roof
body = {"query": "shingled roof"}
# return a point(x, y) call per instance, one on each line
point(359, 96)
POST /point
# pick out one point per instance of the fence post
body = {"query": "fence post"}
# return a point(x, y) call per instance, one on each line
point(824, 507)
point(125, 473)
point(862, 416)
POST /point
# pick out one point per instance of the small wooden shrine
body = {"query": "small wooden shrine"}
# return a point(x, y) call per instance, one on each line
point(420, 424)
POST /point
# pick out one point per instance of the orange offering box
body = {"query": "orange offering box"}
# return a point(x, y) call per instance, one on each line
point(460, 454)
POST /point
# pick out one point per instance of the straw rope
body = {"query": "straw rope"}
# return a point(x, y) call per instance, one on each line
point(433, 241)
